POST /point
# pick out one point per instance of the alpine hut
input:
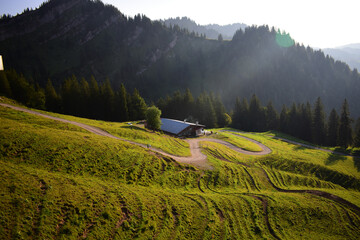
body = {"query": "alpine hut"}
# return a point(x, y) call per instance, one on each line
point(181, 128)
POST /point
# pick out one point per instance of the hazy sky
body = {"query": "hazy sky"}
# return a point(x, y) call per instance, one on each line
point(318, 23)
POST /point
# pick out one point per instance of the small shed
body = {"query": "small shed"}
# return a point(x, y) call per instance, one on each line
point(181, 128)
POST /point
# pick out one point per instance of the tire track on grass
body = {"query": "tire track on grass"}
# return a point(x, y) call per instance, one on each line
point(318, 193)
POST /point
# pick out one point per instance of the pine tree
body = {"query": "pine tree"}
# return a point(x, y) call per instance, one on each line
point(272, 118)
point(345, 130)
point(188, 104)
point(220, 112)
point(52, 98)
point(107, 100)
point(228, 120)
point(319, 131)
point(137, 106)
point(236, 117)
point(210, 116)
point(20, 87)
point(122, 104)
point(37, 97)
point(244, 115)
point(306, 122)
point(293, 121)
point(333, 129)
point(5, 88)
point(71, 96)
point(94, 100)
point(205, 111)
point(357, 134)
point(85, 107)
point(256, 115)
point(284, 120)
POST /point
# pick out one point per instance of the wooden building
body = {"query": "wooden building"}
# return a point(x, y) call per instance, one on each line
point(181, 128)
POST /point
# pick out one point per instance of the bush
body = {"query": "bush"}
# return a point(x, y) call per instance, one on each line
point(153, 118)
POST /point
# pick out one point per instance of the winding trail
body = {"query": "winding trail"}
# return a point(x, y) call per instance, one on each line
point(197, 158)
point(297, 143)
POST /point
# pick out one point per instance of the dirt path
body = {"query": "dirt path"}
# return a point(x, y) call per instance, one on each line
point(297, 143)
point(197, 158)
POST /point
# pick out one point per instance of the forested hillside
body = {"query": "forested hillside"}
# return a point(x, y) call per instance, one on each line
point(211, 31)
point(87, 38)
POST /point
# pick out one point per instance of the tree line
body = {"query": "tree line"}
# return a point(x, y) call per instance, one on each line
point(300, 120)
point(78, 98)
point(207, 108)
point(99, 101)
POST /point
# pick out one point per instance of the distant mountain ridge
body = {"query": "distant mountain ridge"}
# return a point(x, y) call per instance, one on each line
point(88, 38)
point(211, 31)
point(348, 53)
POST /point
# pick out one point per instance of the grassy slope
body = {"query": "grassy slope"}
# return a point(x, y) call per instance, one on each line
point(133, 133)
point(137, 134)
point(239, 142)
point(59, 181)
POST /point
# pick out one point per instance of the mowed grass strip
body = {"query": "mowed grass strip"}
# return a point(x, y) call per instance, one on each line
point(305, 216)
point(286, 151)
point(236, 141)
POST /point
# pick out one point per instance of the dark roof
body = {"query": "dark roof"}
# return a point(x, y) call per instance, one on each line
point(175, 126)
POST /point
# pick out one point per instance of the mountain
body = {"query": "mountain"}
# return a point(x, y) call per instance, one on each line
point(227, 30)
point(88, 38)
point(349, 53)
point(211, 31)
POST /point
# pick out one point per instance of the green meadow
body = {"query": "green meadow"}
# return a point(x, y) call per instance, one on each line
point(61, 182)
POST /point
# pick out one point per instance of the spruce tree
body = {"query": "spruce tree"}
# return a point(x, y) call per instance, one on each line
point(107, 100)
point(123, 111)
point(205, 111)
point(357, 134)
point(5, 88)
point(319, 132)
point(294, 121)
point(272, 118)
point(20, 88)
point(37, 98)
point(220, 112)
point(71, 96)
point(244, 115)
point(306, 122)
point(210, 116)
point(94, 100)
point(52, 98)
point(345, 130)
point(284, 120)
point(137, 106)
point(236, 116)
point(188, 104)
point(256, 116)
point(85, 98)
point(333, 129)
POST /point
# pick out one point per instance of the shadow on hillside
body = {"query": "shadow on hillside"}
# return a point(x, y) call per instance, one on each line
point(299, 148)
point(357, 163)
point(334, 158)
